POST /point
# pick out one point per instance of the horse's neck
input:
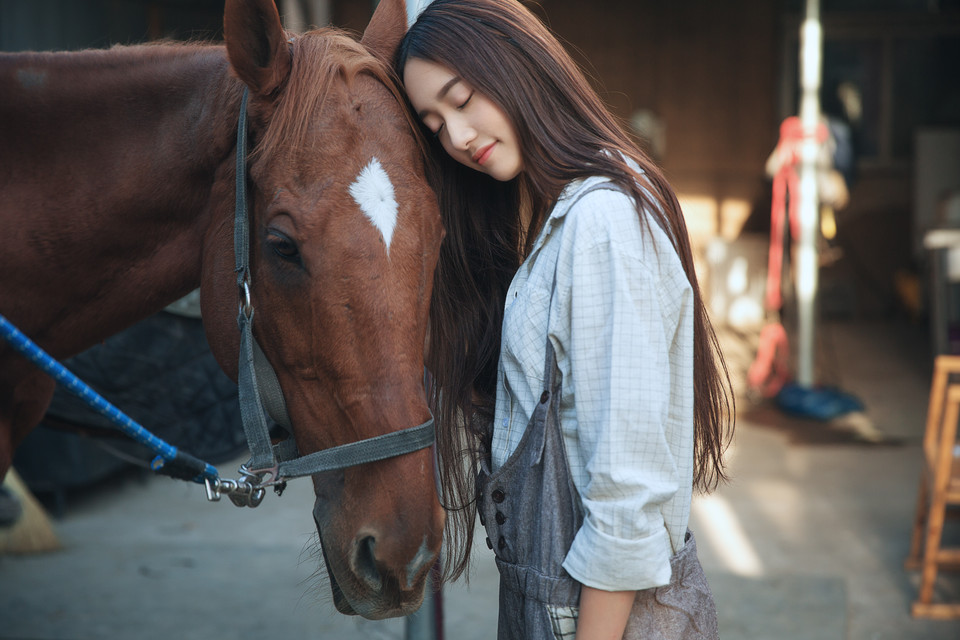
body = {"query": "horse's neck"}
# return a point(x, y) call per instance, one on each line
point(141, 95)
point(107, 166)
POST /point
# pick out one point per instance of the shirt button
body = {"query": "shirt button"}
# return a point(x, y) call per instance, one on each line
point(501, 543)
point(489, 544)
point(500, 518)
point(544, 396)
point(497, 495)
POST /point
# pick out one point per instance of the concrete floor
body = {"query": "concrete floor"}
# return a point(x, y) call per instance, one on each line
point(806, 542)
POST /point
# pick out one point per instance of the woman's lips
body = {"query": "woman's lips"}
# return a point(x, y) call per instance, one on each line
point(483, 154)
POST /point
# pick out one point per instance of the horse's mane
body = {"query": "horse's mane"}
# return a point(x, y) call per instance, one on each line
point(331, 54)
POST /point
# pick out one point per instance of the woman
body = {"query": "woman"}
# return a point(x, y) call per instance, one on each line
point(567, 333)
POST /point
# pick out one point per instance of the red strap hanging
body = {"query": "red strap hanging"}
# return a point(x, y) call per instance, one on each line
point(769, 371)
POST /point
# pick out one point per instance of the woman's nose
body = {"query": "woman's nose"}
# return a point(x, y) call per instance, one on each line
point(461, 134)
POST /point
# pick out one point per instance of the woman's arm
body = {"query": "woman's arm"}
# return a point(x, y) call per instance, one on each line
point(622, 377)
point(603, 614)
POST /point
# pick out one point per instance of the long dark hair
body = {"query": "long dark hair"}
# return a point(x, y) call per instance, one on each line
point(565, 132)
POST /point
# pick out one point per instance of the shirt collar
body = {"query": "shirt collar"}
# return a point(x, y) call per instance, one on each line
point(567, 198)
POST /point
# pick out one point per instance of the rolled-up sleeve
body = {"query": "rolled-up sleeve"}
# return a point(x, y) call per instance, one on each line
point(623, 318)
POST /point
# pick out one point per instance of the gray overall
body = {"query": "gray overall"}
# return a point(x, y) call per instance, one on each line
point(531, 512)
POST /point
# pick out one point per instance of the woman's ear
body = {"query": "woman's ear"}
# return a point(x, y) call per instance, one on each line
point(388, 25)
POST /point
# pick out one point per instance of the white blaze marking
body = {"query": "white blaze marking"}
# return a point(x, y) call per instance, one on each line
point(373, 191)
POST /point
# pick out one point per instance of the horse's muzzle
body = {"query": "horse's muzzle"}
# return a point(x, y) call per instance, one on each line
point(365, 581)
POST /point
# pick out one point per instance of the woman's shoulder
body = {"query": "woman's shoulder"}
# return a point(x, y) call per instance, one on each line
point(596, 200)
point(580, 188)
point(602, 215)
point(598, 205)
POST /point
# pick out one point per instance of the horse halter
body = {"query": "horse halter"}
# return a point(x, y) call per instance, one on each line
point(260, 393)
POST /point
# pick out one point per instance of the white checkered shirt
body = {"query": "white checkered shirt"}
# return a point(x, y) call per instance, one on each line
point(621, 322)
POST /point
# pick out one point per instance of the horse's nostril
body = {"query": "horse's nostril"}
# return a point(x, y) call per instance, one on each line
point(365, 562)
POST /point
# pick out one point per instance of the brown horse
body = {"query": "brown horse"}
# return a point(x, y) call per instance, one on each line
point(117, 196)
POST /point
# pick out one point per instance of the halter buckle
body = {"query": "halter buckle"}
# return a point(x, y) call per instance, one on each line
point(265, 477)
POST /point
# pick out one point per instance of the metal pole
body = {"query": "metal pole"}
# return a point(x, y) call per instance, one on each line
point(303, 15)
point(420, 625)
point(811, 46)
point(427, 622)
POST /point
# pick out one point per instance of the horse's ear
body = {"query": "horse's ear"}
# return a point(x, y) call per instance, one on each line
point(388, 25)
point(257, 44)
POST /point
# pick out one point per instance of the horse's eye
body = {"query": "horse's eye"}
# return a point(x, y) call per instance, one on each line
point(282, 245)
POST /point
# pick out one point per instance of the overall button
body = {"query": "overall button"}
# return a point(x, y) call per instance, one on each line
point(544, 396)
point(501, 543)
point(498, 495)
point(489, 544)
point(500, 518)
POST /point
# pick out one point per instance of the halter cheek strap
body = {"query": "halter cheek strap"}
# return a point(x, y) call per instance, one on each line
point(260, 393)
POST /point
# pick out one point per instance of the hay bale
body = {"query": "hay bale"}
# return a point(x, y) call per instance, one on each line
point(33, 532)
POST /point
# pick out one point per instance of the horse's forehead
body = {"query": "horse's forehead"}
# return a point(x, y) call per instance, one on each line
point(360, 139)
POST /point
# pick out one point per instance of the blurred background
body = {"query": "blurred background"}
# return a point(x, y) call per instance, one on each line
point(809, 538)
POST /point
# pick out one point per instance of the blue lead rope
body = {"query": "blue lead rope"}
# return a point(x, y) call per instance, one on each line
point(169, 460)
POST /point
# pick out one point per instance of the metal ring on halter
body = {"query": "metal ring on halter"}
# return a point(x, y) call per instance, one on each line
point(251, 499)
point(246, 305)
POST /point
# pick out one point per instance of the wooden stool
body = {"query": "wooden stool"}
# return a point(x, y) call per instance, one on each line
point(939, 489)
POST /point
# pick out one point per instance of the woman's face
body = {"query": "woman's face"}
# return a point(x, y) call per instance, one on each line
point(471, 128)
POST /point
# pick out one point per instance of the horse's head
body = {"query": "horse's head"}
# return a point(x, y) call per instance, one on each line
point(344, 238)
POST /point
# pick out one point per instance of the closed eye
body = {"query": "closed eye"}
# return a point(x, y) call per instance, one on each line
point(462, 105)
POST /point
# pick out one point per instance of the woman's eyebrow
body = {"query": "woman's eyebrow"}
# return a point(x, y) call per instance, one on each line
point(444, 90)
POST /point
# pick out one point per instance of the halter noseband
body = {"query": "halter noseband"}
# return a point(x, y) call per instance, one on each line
point(260, 393)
